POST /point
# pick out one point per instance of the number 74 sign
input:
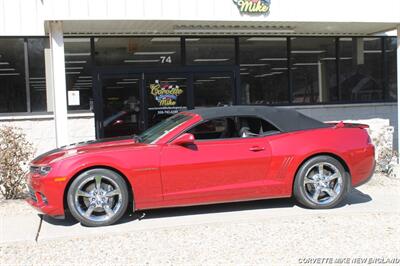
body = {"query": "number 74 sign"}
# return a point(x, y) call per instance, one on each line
point(166, 59)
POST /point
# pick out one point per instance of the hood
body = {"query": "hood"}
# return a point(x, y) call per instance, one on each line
point(84, 147)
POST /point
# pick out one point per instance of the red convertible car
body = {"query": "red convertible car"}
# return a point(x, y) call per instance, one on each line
point(202, 156)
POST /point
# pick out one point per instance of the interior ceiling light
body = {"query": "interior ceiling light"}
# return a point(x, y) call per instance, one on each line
point(7, 69)
point(373, 51)
point(10, 74)
point(211, 59)
point(155, 53)
point(251, 65)
point(279, 68)
point(85, 77)
point(205, 80)
point(141, 60)
point(273, 59)
point(72, 73)
point(72, 68)
point(34, 78)
point(130, 79)
point(306, 64)
point(307, 51)
point(126, 82)
point(4, 63)
point(76, 62)
point(176, 78)
point(226, 77)
point(77, 54)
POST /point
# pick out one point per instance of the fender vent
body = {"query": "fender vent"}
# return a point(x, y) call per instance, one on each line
point(283, 169)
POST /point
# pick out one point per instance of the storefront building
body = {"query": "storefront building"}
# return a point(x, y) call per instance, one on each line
point(74, 70)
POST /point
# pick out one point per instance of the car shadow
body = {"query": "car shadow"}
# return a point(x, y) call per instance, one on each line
point(355, 197)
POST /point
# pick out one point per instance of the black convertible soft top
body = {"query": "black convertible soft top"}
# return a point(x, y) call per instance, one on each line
point(284, 119)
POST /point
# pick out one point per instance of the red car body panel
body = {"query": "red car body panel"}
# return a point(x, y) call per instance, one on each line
point(163, 174)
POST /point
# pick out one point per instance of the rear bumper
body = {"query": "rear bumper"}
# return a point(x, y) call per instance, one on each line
point(368, 178)
point(46, 195)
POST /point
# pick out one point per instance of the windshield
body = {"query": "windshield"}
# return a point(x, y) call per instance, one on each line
point(159, 130)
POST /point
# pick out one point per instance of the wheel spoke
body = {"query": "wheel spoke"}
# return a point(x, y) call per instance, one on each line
point(112, 193)
point(332, 177)
point(308, 180)
point(89, 210)
point(321, 169)
point(98, 182)
point(331, 192)
point(316, 194)
point(81, 193)
point(108, 210)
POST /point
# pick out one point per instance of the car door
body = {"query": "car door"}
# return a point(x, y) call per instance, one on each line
point(220, 165)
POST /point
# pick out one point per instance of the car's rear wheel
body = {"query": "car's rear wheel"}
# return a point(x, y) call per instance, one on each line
point(321, 183)
point(98, 197)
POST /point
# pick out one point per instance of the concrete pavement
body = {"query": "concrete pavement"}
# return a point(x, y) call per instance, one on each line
point(24, 225)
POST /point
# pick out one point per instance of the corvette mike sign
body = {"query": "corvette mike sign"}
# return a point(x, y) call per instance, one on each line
point(253, 7)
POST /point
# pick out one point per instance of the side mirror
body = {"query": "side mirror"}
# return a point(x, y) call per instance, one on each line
point(184, 139)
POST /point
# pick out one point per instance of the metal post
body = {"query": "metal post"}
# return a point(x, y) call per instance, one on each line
point(59, 82)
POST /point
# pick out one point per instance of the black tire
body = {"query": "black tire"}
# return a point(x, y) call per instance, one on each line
point(119, 202)
point(302, 191)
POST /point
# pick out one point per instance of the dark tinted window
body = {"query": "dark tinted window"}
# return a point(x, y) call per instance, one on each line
point(37, 75)
point(391, 67)
point(313, 64)
point(263, 70)
point(12, 76)
point(136, 51)
point(78, 70)
point(221, 128)
point(210, 51)
point(361, 69)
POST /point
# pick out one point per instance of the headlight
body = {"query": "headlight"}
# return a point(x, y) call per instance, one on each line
point(41, 170)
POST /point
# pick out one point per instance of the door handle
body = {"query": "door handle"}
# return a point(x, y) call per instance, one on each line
point(256, 148)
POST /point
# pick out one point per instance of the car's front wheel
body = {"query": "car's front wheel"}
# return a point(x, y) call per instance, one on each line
point(321, 183)
point(98, 197)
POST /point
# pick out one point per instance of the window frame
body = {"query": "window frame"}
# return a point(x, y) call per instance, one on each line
point(224, 139)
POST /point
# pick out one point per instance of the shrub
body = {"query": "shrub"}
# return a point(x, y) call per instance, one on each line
point(15, 153)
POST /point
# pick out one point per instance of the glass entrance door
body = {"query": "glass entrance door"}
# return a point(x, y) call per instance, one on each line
point(121, 107)
point(166, 95)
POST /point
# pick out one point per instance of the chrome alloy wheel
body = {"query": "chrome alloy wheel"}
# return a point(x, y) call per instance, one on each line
point(323, 183)
point(98, 198)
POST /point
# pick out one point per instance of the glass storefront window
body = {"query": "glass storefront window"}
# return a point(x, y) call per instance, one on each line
point(37, 75)
point(391, 67)
point(263, 70)
point(213, 89)
point(78, 70)
point(121, 105)
point(360, 69)
point(210, 51)
point(313, 65)
point(12, 76)
point(166, 95)
point(138, 52)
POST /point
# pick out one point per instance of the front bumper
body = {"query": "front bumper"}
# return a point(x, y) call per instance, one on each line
point(46, 194)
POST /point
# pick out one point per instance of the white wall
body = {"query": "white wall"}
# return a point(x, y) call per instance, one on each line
point(27, 17)
point(40, 129)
